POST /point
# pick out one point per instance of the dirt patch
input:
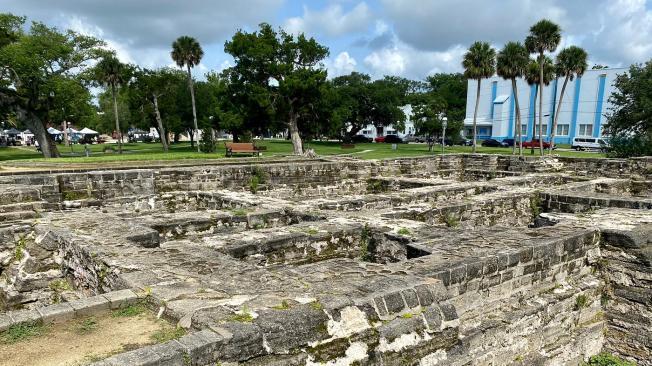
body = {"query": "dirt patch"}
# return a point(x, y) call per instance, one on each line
point(84, 341)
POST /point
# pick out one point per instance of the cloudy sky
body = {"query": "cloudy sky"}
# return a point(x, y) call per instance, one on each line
point(411, 38)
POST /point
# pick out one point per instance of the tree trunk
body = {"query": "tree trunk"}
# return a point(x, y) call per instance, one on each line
point(37, 126)
point(534, 118)
point(161, 129)
point(117, 119)
point(176, 137)
point(475, 116)
point(194, 110)
point(554, 124)
point(294, 134)
point(192, 139)
point(517, 120)
point(541, 82)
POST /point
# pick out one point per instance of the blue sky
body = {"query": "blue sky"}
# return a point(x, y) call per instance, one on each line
point(411, 38)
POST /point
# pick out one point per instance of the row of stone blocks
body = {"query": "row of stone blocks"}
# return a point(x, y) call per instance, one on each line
point(69, 310)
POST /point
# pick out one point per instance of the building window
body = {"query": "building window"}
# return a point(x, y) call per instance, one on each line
point(524, 130)
point(562, 130)
point(586, 130)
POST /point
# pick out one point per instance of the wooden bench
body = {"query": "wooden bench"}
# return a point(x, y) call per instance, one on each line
point(241, 148)
point(348, 146)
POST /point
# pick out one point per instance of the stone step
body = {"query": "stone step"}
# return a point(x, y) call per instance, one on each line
point(18, 215)
point(22, 206)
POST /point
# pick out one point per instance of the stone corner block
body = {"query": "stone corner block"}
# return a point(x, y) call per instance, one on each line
point(203, 347)
point(5, 322)
point(57, 312)
point(140, 357)
point(90, 305)
point(120, 299)
point(25, 316)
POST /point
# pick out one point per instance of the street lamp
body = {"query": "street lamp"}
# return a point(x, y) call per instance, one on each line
point(444, 123)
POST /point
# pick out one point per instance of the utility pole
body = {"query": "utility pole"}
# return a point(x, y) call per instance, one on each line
point(444, 123)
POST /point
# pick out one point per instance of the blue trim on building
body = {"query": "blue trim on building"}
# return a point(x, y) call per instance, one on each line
point(576, 106)
point(512, 108)
point(598, 106)
point(530, 121)
point(494, 90)
point(552, 107)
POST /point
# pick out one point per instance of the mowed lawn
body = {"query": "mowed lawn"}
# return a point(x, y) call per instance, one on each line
point(275, 148)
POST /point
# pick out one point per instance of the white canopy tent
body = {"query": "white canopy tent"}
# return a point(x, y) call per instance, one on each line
point(53, 131)
point(88, 131)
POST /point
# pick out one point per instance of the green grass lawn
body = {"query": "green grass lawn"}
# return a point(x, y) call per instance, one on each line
point(180, 151)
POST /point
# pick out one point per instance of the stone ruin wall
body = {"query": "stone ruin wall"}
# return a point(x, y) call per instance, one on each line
point(553, 303)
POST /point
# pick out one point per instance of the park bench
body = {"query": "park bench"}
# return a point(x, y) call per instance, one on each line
point(348, 146)
point(241, 148)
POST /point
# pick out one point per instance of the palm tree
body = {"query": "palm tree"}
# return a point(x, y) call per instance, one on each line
point(479, 63)
point(570, 62)
point(112, 73)
point(532, 74)
point(187, 52)
point(511, 63)
point(544, 36)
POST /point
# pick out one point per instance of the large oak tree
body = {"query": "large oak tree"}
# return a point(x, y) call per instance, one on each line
point(280, 72)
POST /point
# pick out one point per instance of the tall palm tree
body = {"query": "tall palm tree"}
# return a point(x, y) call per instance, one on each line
point(187, 52)
point(112, 73)
point(544, 36)
point(570, 62)
point(532, 76)
point(479, 63)
point(511, 64)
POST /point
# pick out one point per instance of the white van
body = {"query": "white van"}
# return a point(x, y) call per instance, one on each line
point(589, 143)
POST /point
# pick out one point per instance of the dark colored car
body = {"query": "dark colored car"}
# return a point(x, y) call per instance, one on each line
point(393, 139)
point(535, 143)
point(361, 139)
point(509, 142)
point(491, 143)
point(447, 142)
point(466, 142)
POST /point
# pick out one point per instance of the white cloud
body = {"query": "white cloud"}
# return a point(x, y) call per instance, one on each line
point(332, 20)
point(343, 64)
point(618, 32)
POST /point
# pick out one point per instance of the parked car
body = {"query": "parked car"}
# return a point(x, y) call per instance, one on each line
point(491, 143)
point(589, 143)
point(447, 142)
point(413, 138)
point(360, 139)
point(466, 142)
point(535, 143)
point(380, 139)
point(508, 142)
point(393, 139)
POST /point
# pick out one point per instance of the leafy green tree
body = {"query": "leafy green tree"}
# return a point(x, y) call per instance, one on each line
point(39, 73)
point(186, 51)
point(452, 89)
point(479, 63)
point(148, 89)
point(570, 63)
point(629, 120)
point(427, 114)
point(511, 63)
point(113, 74)
point(281, 73)
point(106, 121)
point(532, 77)
point(544, 37)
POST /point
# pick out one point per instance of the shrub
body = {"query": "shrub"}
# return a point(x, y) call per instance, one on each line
point(207, 143)
point(628, 146)
point(607, 359)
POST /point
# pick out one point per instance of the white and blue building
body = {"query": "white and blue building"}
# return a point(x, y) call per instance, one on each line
point(582, 112)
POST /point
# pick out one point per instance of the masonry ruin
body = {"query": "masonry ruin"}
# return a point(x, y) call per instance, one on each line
point(447, 260)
